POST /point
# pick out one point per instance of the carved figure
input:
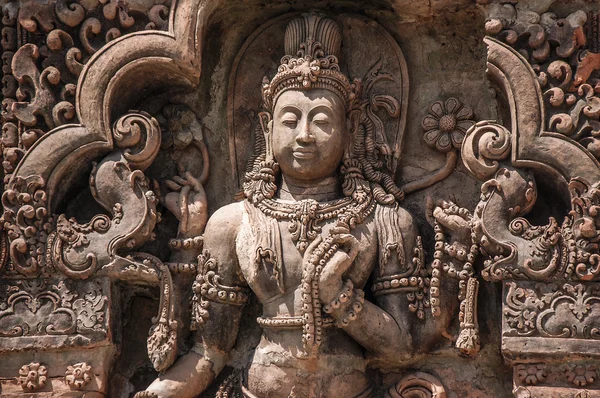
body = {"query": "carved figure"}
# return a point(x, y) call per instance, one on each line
point(319, 219)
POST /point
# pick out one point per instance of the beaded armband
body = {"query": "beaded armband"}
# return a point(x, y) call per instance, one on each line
point(348, 304)
point(208, 288)
point(186, 244)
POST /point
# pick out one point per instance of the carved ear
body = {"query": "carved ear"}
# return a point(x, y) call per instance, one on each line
point(352, 122)
point(266, 124)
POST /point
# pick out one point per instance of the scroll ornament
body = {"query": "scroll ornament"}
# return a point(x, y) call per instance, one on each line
point(44, 244)
point(563, 117)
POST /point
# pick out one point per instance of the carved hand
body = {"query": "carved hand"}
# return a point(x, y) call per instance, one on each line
point(455, 221)
point(189, 204)
point(330, 281)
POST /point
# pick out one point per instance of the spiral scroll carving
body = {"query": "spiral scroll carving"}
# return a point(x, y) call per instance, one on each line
point(486, 143)
point(139, 135)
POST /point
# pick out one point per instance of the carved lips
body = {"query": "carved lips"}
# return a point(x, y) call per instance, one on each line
point(303, 153)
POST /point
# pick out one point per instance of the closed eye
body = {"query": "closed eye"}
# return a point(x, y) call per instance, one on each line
point(289, 122)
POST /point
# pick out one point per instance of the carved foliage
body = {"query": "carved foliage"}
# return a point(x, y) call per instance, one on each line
point(27, 223)
point(39, 242)
point(567, 251)
point(568, 79)
point(446, 124)
point(57, 40)
point(550, 310)
point(42, 307)
point(576, 374)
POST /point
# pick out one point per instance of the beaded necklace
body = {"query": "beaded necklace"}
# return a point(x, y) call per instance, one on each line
point(305, 217)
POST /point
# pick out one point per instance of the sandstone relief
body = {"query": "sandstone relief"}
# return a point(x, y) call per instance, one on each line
point(290, 199)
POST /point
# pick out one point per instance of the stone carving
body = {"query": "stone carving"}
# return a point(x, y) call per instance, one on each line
point(531, 373)
point(32, 377)
point(42, 98)
point(516, 248)
point(322, 241)
point(39, 240)
point(78, 375)
point(37, 308)
point(581, 375)
point(544, 67)
point(415, 385)
point(320, 177)
point(444, 129)
point(446, 124)
point(533, 310)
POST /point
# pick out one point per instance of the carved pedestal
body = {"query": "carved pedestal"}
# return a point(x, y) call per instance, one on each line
point(55, 337)
point(550, 337)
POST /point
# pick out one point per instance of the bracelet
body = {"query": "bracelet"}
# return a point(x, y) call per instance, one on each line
point(178, 244)
point(350, 301)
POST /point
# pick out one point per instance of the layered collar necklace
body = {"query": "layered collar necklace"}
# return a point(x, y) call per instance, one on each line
point(306, 216)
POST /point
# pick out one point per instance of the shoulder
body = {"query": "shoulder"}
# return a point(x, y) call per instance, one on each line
point(225, 222)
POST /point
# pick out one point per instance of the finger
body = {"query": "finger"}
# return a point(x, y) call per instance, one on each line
point(193, 181)
point(180, 168)
point(351, 244)
point(343, 239)
point(179, 180)
point(172, 203)
point(340, 229)
point(337, 265)
point(157, 190)
point(183, 206)
point(444, 204)
point(313, 245)
point(172, 185)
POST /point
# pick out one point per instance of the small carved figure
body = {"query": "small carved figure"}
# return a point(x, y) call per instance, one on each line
point(319, 220)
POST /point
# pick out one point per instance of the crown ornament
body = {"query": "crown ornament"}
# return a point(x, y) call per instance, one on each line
point(312, 46)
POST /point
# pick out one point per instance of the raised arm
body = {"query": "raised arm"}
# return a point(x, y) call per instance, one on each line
point(381, 327)
point(219, 295)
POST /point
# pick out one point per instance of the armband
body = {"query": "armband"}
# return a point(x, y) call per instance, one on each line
point(208, 288)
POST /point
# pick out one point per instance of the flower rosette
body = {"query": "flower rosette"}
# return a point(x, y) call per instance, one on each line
point(33, 376)
point(446, 124)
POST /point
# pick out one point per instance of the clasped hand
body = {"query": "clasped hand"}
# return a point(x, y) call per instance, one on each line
point(331, 279)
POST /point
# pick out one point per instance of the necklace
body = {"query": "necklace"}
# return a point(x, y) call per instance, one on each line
point(305, 217)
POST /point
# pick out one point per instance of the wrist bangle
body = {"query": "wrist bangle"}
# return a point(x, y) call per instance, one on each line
point(349, 303)
point(179, 244)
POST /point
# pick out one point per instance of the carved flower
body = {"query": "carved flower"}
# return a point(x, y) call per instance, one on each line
point(32, 376)
point(78, 375)
point(523, 321)
point(581, 375)
point(531, 373)
point(179, 126)
point(446, 124)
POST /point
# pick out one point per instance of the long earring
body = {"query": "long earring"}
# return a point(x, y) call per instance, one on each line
point(266, 123)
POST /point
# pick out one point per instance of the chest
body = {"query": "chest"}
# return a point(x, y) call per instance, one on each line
point(271, 254)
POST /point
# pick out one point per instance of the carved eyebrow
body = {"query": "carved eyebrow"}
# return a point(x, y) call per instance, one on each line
point(289, 108)
point(321, 108)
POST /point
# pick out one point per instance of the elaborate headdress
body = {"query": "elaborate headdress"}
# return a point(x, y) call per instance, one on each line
point(312, 47)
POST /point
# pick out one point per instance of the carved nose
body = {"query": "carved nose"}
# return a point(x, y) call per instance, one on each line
point(305, 135)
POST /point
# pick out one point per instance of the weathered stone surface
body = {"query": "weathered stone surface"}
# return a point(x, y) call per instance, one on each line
point(405, 204)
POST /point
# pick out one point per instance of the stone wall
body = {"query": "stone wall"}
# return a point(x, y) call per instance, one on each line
point(105, 101)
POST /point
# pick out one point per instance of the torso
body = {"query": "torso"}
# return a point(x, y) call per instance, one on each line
point(276, 368)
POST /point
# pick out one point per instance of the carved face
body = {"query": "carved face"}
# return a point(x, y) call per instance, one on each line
point(309, 133)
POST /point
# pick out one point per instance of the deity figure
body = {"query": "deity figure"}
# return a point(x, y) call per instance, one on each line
point(319, 224)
